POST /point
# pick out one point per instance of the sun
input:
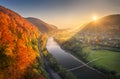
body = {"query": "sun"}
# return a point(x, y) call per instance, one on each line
point(94, 18)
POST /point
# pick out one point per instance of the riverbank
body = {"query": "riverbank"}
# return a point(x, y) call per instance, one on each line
point(55, 70)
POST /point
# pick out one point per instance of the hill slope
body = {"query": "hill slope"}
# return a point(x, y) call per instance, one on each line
point(109, 24)
point(18, 45)
point(106, 29)
point(42, 26)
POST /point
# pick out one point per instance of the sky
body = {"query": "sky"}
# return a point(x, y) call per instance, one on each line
point(63, 13)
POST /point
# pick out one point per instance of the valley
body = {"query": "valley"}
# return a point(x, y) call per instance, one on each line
point(33, 49)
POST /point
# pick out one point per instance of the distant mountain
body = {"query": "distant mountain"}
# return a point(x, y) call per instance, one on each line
point(42, 26)
point(18, 47)
point(106, 29)
point(109, 25)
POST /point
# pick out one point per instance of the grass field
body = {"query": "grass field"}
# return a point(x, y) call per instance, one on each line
point(105, 59)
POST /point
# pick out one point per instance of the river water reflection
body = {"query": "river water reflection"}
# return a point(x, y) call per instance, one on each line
point(68, 61)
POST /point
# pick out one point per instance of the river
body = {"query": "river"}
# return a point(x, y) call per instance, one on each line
point(68, 61)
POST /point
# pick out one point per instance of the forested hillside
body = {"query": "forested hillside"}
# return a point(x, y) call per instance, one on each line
point(19, 55)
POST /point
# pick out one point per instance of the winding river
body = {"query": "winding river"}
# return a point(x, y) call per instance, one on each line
point(71, 63)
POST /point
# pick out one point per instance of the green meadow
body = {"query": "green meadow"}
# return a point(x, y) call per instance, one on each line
point(105, 59)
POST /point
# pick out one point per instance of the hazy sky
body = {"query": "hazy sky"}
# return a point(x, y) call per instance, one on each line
point(63, 13)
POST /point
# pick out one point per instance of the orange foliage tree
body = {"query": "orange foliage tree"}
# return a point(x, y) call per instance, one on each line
point(16, 53)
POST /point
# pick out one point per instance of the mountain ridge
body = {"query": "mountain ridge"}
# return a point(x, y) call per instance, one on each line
point(42, 26)
point(109, 25)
